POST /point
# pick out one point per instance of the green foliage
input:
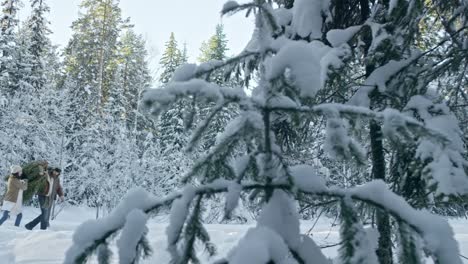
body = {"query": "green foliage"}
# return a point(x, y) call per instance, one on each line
point(355, 247)
point(216, 47)
point(34, 186)
point(408, 249)
point(143, 248)
point(39, 42)
point(104, 254)
point(193, 231)
point(172, 124)
point(171, 59)
point(91, 55)
point(9, 76)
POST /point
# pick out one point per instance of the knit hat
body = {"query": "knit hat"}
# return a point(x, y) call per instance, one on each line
point(16, 169)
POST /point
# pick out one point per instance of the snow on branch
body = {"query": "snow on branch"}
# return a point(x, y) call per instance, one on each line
point(246, 124)
point(89, 235)
point(157, 100)
point(133, 237)
point(197, 134)
point(232, 7)
point(435, 231)
point(352, 111)
point(306, 64)
point(260, 245)
point(179, 212)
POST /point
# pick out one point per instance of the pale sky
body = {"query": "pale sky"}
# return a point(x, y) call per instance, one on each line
point(192, 21)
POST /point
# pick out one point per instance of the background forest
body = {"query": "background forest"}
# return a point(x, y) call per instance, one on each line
point(79, 107)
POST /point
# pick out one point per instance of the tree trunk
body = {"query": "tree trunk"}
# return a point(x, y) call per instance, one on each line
point(101, 92)
point(384, 250)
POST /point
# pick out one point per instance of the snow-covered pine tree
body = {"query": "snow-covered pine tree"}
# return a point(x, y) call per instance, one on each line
point(90, 57)
point(134, 77)
point(184, 54)
point(289, 69)
point(39, 42)
point(170, 59)
point(31, 123)
point(90, 64)
point(396, 73)
point(216, 47)
point(172, 123)
point(8, 45)
point(213, 51)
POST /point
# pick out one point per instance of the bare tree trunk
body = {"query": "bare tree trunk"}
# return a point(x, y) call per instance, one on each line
point(382, 219)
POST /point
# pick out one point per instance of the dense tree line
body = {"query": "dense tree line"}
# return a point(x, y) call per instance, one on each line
point(79, 107)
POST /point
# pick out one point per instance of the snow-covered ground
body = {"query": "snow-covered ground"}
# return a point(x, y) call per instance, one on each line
point(18, 245)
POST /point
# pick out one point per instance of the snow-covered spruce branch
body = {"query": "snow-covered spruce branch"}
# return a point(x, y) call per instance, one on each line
point(434, 230)
point(358, 111)
point(198, 133)
point(157, 100)
point(244, 124)
point(207, 69)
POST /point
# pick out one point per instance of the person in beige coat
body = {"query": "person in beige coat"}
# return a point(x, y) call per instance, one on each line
point(13, 200)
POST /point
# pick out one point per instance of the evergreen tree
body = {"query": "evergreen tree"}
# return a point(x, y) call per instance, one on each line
point(8, 42)
point(216, 47)
point(90, 57)
point(215, 50)
point(170, 60)
point(171, 124)
point(39, 42)
point(184, 54)
point(134, 77)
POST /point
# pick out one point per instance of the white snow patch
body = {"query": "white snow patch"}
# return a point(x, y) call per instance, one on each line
point(229, 5)
point(338, 37)
point(132, 232)
point(307, 18)
point(307, 63)
point(280, 215)
point(307, 178)
point(92, 230)
point(260, 245)
point(232, 197)
point(436, 232)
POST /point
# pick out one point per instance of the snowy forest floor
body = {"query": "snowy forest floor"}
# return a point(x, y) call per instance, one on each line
point(18, 245)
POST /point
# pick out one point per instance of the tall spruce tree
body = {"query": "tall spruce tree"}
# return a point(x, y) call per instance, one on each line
point(184, 54)
point(215, 50)
point(171, 123)
point(216, 47)
point(170, 60)
point(8, 43)
point(134, 77)
point(39, 42)
point(90, 57)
